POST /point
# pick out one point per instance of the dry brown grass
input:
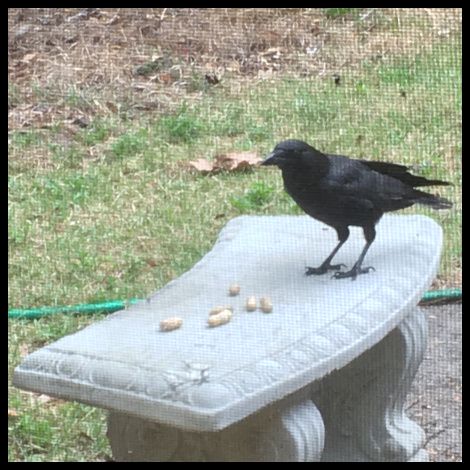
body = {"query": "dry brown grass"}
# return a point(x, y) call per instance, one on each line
point(61, 48)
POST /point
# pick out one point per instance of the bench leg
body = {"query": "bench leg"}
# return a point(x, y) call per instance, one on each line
point(280, 433)
point(363, 403)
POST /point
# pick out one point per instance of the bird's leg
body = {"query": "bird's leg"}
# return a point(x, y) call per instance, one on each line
point(369, 233)
point(326, 266)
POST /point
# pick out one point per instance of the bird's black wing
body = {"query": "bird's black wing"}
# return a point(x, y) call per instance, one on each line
point(357, 187)
point(401, 172)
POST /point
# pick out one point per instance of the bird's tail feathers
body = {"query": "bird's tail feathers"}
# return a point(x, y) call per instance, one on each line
point(431, 200)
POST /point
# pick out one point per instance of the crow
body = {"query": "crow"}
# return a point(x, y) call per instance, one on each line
point(341, 192)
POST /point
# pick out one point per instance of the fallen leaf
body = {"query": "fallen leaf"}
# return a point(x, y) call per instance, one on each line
point(236, 160)
point(202, 165)
point(232, 161)
point(44, 398)
point(85, 435)
point(112, 106)
point(30, 58)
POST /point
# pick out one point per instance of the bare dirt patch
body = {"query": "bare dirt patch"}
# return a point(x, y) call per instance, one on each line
point(147, 57)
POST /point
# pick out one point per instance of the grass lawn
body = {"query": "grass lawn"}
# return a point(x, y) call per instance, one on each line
point(100, 206)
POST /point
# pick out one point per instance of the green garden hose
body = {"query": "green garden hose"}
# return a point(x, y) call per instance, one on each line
point(431, 297)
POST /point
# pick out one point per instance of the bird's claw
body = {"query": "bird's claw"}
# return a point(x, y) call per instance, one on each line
point(323, 269)
point(353, 273)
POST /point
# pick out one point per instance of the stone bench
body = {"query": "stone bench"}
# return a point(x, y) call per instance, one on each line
point(323, 377)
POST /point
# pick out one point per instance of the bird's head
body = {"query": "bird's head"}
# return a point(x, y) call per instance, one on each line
point(289, 153)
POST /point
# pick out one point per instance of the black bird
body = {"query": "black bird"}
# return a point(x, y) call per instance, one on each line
point(341, 192)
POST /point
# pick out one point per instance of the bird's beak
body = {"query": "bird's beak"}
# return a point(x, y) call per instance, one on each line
point(271, 159)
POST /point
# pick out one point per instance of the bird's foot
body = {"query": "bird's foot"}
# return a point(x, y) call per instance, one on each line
point(324, 268)
point(353, 273)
